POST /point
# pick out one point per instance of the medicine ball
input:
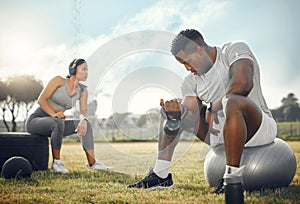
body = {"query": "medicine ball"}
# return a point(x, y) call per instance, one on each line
point(16, 167)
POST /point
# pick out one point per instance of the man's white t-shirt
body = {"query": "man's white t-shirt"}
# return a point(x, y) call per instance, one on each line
point(211, 86)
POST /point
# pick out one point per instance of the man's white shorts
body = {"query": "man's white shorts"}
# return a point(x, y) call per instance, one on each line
point(265, 134)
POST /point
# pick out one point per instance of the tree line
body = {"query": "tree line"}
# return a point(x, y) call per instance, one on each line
point(288, 111)
point(18, 94)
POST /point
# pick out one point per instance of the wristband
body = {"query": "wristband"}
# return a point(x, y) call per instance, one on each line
point(82, 117)
point(210, 109)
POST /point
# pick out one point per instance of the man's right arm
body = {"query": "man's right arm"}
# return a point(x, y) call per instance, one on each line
point(194, 121)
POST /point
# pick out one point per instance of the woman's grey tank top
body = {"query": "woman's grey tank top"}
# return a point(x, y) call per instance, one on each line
point(61, 99)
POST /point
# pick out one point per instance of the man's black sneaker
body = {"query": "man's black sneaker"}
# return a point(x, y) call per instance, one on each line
point(153, 182)
point(220, 188)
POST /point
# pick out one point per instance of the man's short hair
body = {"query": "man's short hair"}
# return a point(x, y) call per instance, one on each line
point(187, 40)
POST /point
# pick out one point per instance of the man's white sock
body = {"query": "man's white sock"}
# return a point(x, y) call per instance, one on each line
point(161, 168)
point(233, 174)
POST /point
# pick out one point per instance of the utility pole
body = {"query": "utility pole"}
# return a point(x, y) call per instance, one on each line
point(77, 27)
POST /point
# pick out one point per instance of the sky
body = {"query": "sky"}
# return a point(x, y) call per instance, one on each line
point(126, 44)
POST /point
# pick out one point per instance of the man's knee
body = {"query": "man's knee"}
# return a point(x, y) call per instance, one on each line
point(233, 102)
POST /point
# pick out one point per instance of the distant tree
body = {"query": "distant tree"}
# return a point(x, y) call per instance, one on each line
point(290, 100)
point(114, 121)
point(289, 110)
point(278, 114)
point(147, 119)
point(3, 91)
point(22, 92)
point(291, 113)
point(149, 122)
point(29, 91)
point(3, 97)
point(142, 121)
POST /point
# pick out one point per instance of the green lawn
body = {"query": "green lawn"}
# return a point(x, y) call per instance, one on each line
point(131, 161)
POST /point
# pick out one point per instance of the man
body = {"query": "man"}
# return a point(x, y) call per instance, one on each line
point(227, 79)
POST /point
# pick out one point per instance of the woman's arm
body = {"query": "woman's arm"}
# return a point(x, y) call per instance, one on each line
point(82, 126)
point(83, 102)
point(53, 84)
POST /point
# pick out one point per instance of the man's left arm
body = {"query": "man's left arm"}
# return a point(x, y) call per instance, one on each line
point(241, 77)
point(241, 81)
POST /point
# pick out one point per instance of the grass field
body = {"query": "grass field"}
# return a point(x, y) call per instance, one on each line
point(131, 161)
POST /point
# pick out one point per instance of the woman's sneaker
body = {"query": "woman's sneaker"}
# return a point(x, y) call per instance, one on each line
point(98, 166)
point(153, 182)
point(58, 167)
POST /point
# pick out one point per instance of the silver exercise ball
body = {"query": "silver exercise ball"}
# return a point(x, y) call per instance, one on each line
point(268, 166)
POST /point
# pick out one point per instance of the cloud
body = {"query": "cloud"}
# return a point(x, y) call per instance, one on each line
point(174, 15)
point(163, 15)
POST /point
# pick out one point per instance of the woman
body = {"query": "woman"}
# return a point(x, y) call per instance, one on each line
point(59, 95)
